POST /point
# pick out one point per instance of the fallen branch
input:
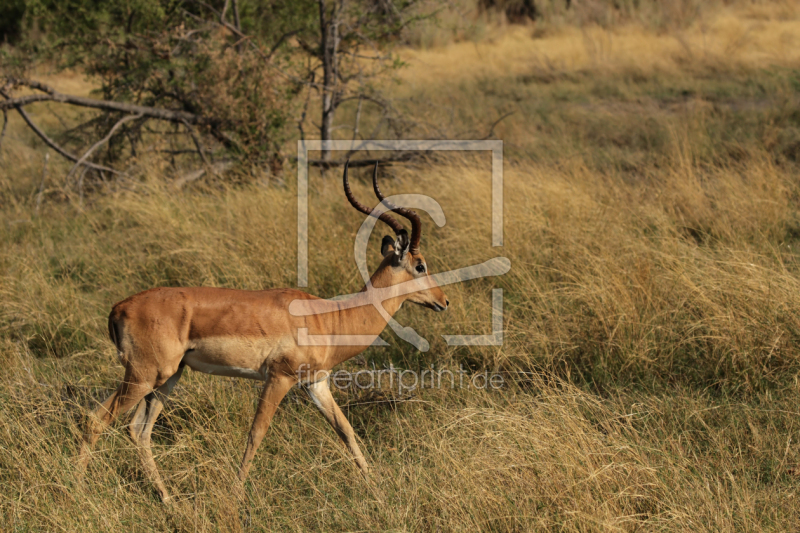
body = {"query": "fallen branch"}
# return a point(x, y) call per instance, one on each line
point(100, 143)
point(51, 95)
point(132, 110)
point(5, 124)
point(197, 144)
point(48, 141)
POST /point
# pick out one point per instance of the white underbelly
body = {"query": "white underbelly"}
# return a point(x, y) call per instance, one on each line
point(230, 357)
point(220, 370)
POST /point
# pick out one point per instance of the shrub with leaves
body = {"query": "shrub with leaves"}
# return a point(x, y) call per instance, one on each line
point(179, 56)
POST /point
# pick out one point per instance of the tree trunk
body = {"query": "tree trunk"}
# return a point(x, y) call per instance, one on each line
point(237, 23)
point(329, 28)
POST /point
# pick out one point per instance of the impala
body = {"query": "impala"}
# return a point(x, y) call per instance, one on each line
point(252, 334)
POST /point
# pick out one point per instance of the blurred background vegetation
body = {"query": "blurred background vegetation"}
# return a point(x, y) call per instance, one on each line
point(652, 330)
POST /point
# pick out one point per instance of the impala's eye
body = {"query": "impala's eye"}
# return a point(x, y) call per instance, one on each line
point(421, 268)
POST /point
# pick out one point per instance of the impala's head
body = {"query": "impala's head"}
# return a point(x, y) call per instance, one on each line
point(402, 260)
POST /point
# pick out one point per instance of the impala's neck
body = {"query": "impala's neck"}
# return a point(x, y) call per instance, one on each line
point(366, 320)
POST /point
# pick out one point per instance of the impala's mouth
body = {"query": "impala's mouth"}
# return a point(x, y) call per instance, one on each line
point(436, 306)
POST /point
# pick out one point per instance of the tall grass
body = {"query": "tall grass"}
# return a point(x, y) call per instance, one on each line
point(651, 312)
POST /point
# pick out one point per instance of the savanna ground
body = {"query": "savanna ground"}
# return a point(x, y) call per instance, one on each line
point(652, 310)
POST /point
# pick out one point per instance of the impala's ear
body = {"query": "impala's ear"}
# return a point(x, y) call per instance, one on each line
point(401, 244)
point(387, 246)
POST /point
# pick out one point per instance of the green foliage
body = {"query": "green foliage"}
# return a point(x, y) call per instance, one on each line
point(162, 53)
point(187, 55)
point(270, 20)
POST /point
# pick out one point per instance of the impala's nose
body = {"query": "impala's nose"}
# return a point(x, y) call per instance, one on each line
point(446, 303)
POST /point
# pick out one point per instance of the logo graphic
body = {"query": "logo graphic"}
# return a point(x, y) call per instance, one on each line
point(376, 296)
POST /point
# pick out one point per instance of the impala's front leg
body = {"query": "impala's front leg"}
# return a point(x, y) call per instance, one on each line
point(320, 392)
point(275, 389)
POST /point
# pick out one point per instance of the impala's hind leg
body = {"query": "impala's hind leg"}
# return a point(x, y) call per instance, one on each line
point(129, 393)
point(142, 426)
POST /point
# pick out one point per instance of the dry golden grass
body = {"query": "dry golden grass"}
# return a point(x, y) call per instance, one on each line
point(753, 36)
point(652, 348)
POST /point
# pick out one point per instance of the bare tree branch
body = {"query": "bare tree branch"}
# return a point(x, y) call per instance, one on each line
point(185, 38)
point(41, 183)
point(100, 143)
point(237, 23)
point(357, 122)
point(495, 123)
point(5, 124)
point(331, 163)
point(236, 20)
point(361, 96)
point(197, 144)
point(107, 105)
point(233, 29)
point(305, 109)
point(280, 42)
point(42, 135)
point(224, 10)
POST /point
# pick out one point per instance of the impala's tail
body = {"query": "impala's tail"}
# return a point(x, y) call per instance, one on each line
point(115, 328)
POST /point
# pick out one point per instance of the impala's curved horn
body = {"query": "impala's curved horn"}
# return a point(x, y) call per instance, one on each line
point(386, 217)
point(416, 223)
